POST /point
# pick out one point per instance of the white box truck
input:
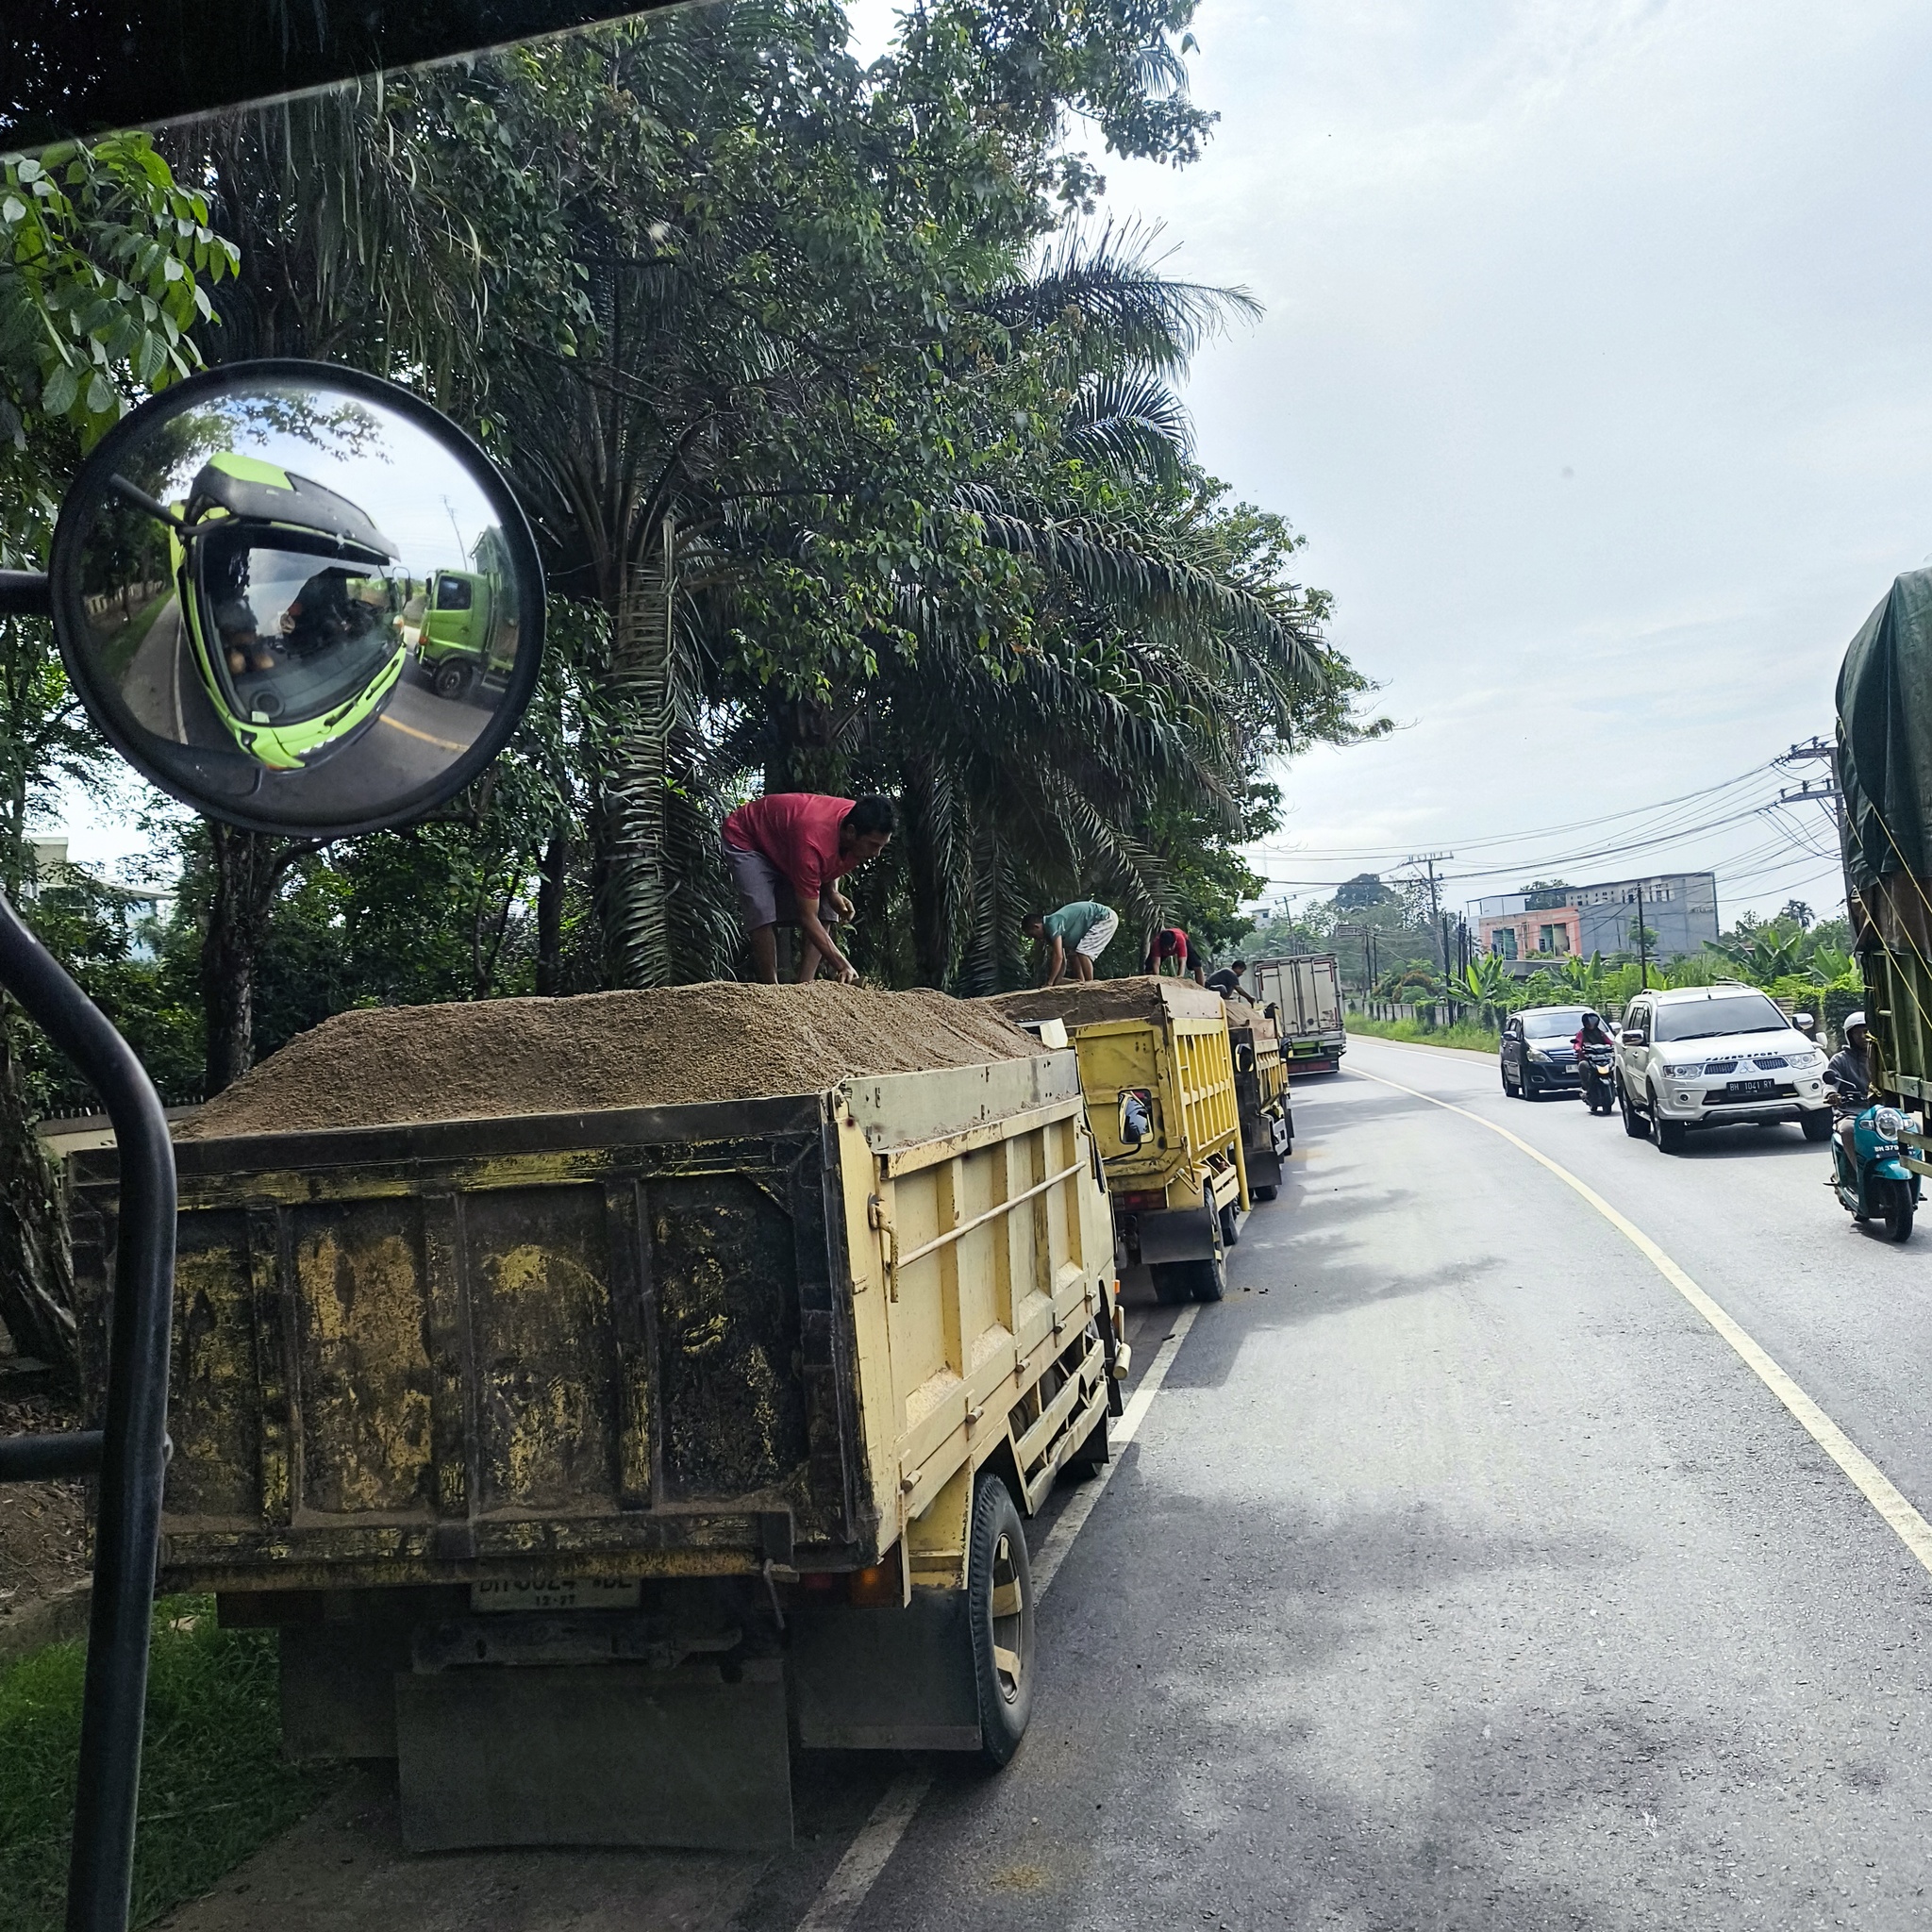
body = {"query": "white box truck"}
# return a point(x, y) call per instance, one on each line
point(1304, 994)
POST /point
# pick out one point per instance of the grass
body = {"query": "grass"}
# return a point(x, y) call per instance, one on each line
point(119, 654)
point(213, 1785)
point(1475, 1038)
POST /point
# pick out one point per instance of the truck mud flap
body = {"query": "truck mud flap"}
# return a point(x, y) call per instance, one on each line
point(1177, 1234)
point(1264, 1168)
point(885, 1679)
point(616, 1755)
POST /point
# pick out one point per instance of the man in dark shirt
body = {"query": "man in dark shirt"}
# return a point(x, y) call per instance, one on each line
point(1850, 1077)
point(1228, 979)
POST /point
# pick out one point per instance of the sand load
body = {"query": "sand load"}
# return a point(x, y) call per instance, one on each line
point(1090, 1004)
point(487, 1059)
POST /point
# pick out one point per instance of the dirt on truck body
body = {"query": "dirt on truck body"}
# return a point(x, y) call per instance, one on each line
point(587, 1440)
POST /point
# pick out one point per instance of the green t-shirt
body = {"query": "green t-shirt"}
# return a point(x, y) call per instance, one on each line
point(1071, 923)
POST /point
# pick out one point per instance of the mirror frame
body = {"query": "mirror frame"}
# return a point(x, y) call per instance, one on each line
point(88, 489)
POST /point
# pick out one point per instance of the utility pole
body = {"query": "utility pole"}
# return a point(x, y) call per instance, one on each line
point(1827, 791)
point(1430, 860)
point(1643, 946)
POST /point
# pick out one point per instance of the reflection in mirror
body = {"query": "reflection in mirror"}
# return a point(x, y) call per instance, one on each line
point(298, 598)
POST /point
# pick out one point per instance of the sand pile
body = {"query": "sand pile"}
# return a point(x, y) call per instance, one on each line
point(392, 1065)
point(1142, 998)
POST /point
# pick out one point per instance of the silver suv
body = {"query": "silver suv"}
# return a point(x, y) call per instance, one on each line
point(1716, 1056)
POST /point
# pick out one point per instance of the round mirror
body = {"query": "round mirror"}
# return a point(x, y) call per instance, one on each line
point(298, 599)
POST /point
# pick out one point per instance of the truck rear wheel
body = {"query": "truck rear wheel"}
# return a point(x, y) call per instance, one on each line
point(1173, 1281)
point(452, 680)
point(999, 1592)
point(1208, 1279)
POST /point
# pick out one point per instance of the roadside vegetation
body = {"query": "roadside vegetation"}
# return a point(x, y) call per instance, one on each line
point(1463, 1033)
point(213, 1785)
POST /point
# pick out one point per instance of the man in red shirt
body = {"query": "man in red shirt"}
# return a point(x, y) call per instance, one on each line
point(785, 850)
point(1171, 946)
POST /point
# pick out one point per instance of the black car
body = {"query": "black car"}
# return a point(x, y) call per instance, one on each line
point(1538, 1056)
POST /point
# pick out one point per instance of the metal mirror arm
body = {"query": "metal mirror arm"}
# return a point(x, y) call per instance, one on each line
point(129, 1451)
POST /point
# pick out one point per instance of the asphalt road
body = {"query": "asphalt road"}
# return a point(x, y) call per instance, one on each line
point(1460, 1576)
point(417, 735)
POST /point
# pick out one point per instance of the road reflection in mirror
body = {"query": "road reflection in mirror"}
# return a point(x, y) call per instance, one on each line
point(297, 601)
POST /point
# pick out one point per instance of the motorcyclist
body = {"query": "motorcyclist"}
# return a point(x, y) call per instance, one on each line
point(1849, 1076)
point(1592, 1033)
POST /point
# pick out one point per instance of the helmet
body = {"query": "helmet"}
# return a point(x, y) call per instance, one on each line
point(1851, 1020)
point(289, 609)
point(1590, 1014)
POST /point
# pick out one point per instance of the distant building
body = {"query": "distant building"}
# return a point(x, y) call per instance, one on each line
point(1680, 909)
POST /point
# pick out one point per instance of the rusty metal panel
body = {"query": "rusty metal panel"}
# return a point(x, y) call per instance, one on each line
point(725, 1272)
point(536, 1263)
point(215, 1414)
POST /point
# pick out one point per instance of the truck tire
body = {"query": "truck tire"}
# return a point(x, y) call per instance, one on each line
point(1207, 1279)
point(999, 1609)
point(1266, 1191)
point(452, 680)
point(1815, 1123)
point(1173, 1281)
point(1086, 1460)
point(1230, 1225)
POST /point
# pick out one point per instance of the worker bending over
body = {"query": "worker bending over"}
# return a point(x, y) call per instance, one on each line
point(785, 850)
point(1170, 948)
point(1078, 932)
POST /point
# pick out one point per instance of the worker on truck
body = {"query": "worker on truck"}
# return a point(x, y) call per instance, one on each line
point(1076, 934)
point(1228, 980)
point(1170, 948)
point(785, 851)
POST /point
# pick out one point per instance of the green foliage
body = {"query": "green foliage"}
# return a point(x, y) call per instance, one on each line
point(213, 1785)
point(1474, 1038)
point(105, 267)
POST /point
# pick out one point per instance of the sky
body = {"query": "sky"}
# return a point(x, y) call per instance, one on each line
point(1594, 370)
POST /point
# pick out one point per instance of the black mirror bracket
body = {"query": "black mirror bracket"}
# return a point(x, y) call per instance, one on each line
point(25, 593)
point(129, 1451)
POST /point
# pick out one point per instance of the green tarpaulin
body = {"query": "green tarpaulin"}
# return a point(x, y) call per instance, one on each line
point(1885, 736)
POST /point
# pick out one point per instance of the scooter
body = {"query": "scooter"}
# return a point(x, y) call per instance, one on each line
point(1878, 1186)
point(1596, 1065)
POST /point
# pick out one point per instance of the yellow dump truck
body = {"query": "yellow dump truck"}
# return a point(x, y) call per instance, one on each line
point(1157, 1067)
point(586, 1462)
point(1260, 1082)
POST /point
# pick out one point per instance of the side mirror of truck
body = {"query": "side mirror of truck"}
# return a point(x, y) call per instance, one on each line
point(239, 583)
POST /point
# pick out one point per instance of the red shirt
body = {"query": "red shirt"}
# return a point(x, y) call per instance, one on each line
point(798, 831)
point(1171, 943)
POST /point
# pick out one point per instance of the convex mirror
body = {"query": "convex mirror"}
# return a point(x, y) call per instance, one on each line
point(298, 598)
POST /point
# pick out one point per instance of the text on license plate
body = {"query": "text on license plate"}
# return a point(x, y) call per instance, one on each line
point(1749, 1090)
point(558, 1594)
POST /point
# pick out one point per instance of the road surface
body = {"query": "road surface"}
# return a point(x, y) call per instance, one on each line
point(1462, 1574)
point(417, 735)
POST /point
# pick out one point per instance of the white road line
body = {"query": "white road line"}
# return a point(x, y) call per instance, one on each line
point(1871, 1482)
point(865, 1857)
point(1053, 1551)
point(867, 1854)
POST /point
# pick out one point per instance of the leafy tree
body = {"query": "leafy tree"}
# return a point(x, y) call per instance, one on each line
point(105, 265)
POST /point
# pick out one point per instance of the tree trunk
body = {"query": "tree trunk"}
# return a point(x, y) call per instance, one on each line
point(36, 1268)
point(248, 867)
point(927, 851)
point(553, 881)
point(633, 890)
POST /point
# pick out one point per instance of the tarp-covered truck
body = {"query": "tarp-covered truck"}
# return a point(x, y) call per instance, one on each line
point(1885, 773)
point(586, 1455)
point(1301, 992)
point(1158, 1070)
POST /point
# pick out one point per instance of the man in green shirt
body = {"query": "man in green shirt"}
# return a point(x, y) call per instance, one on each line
point(1078, 933)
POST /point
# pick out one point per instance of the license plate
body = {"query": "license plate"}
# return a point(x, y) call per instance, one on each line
point(1749, 1090)
point(559, 1593)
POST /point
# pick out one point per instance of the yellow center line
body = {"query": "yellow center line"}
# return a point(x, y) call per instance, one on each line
point(441, 743)
point(1905, 1523)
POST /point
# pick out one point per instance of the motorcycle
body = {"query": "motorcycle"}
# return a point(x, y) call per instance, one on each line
point(1596, 1068)
point(1877, 1185)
